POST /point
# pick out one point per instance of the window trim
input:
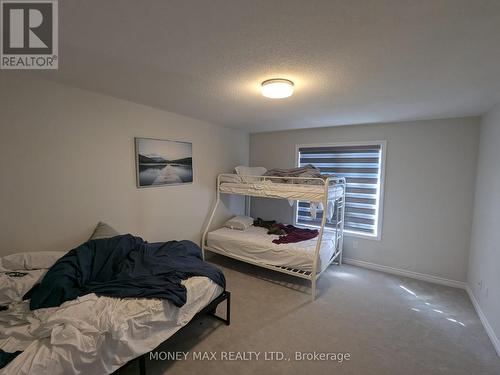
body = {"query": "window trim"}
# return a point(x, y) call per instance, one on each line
point(380, 207)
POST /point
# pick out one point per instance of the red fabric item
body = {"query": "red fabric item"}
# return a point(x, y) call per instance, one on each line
point(294, 234)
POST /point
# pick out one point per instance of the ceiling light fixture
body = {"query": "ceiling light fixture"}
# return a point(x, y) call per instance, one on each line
point(277, 88)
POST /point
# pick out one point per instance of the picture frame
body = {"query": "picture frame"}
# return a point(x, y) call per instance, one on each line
point(163, 162)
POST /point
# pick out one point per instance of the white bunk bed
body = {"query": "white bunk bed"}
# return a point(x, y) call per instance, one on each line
point(307, 259)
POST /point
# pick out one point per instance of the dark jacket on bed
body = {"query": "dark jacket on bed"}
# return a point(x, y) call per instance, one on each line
point(123, 266)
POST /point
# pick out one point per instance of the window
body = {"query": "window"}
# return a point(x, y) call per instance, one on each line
point(362, 164)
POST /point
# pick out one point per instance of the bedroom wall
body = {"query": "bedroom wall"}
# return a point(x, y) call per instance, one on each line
point(67, 161)
point(484, 275)
point(429, 189)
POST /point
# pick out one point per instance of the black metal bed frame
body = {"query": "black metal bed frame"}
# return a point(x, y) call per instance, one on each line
point(211, 309)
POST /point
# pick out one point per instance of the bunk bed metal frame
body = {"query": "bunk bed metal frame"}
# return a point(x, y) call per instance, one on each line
point(254, 186)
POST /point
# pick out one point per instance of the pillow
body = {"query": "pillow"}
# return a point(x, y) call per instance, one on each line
point(103, 230)
point(252, 171)
point(239, 222)
point(30, 261)
point(14, 288)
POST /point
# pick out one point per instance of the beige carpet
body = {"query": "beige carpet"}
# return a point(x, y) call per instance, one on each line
point(388, 324)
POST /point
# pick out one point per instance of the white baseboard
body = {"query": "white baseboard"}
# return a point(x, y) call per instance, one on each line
point(436, 280)
point(493, 337)
point(406, 273)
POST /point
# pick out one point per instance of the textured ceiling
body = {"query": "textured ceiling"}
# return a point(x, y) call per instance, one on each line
point(352, 61)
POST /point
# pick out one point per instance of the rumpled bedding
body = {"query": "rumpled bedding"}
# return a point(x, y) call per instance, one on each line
point(91, 334)
point(286, 233)
point(125, 267)
point(94, 335)
point(31, 266)
point(307, 171)
point(13, 288)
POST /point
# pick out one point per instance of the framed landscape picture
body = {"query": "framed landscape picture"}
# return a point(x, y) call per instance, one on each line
point(163, 162)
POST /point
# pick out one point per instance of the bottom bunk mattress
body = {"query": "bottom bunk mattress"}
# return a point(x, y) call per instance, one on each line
point(255, 245)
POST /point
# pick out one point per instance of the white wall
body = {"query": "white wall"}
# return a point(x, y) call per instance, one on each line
point(484, 264)
point(67, 161)
point(430, 174)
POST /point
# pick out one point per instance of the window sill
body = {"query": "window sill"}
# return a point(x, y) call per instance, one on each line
point(362, 235)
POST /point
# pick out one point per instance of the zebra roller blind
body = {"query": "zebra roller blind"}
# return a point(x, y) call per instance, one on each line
point(361, 166)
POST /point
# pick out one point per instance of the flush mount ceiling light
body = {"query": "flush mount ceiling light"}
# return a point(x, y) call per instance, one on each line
point(277, 88)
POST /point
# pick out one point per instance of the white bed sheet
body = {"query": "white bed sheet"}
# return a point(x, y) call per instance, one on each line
point(256, 245)
point(268, 189)
point(14, 288)
point(94, 335)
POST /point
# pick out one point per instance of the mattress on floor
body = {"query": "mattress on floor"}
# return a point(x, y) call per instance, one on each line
point(254, 244)
point(268, 189)
point(95, 335)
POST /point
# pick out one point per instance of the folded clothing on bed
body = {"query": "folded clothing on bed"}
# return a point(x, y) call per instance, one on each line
point(271, 225)
point(287, 233)
point(125, 267)
point(294, 234)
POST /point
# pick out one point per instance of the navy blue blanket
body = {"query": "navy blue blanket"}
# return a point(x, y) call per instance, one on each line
point(123, 266)
point(6, 357)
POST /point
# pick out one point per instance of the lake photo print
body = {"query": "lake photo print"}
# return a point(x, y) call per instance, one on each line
point(163, 162)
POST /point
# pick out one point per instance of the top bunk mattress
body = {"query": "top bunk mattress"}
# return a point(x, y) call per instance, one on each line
point(255, 245)
point(268, 189)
